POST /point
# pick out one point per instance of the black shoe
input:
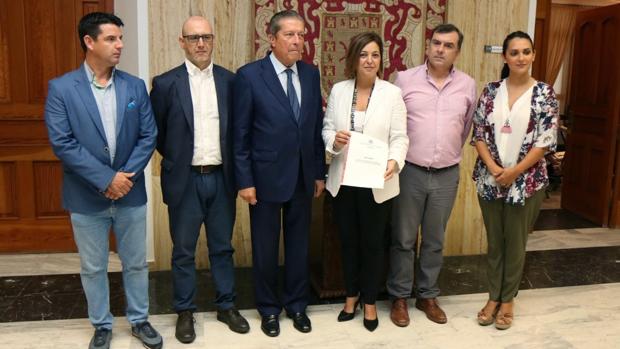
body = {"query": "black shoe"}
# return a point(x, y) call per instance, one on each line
point(235, 321)
point(185, 332)
point(344, 316)
point(301, 322)
point(148, 335)
point(270, 325)
point(101, 339)
point(370, 325)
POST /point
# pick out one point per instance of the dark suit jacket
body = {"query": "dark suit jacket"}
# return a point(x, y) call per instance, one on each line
point(269, 143)
point(77, 137)
point(172, 105)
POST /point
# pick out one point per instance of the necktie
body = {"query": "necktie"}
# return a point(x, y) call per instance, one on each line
point(292, 95)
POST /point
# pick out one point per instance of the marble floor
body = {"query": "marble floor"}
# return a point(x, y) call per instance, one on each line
point(567, 317)
point(568, 299)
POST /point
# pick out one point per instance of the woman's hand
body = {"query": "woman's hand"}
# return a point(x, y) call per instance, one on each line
point(390, 169)
point(507, 177)
point(496, 170)
point(342, 139)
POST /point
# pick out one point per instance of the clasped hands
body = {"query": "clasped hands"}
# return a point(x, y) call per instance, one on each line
point(342, 139)
point(121, 185)
point(504, 176)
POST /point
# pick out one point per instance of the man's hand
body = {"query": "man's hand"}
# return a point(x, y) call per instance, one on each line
point(121, 185)
point(248, 195)
point(319, 186)
point(390, 169)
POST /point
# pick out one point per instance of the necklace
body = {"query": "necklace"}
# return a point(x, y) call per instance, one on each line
point(354, 103)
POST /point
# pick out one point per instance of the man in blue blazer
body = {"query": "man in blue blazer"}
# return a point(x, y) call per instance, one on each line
point(101, 127)
point(191, 104)
point(279, 165)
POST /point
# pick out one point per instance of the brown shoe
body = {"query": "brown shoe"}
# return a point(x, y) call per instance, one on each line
point(399, 313)
point(431, 308)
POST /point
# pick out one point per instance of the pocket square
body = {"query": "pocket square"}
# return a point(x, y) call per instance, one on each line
point(131, 105)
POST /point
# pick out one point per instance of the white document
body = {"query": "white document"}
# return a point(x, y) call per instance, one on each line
point(365, 162)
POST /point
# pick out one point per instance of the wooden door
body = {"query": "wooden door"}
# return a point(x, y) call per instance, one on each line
point(541, 38)
point(38, 41)
point(594, 102)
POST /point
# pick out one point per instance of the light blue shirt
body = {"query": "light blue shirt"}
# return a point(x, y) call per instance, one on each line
point(280, 71)
point(105, 96)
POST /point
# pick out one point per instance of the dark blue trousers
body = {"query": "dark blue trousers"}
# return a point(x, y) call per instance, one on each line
point(265, 222)
point(207, 202)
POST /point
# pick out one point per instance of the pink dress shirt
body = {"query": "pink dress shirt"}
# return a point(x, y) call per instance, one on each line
point(438, 120)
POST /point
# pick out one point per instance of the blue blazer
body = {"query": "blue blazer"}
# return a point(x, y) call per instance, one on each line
point(270, 146)
point(78, 139)
point(172, 105)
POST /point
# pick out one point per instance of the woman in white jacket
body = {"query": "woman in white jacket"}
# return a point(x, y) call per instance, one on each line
point(375, 107)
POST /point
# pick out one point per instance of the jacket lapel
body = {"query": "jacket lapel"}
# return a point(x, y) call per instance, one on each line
point(305, 81)
point(120, 85)
point(375, 100)
point(185, 95)
point(268, 74)
point(82, 87)
point(221, 95)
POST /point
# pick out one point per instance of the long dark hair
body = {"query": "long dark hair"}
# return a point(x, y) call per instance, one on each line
point(514, 35)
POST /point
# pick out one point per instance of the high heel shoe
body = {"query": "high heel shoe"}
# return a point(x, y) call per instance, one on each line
point(344, 316)
point(486, 319)
point(370, 325)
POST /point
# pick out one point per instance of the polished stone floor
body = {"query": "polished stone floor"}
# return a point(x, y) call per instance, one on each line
point(568, 299)
point(566, 317)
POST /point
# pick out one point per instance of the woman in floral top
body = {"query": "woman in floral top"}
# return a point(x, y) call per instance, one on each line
point(515, 125)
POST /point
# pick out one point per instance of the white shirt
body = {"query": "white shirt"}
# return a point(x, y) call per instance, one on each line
point(206, 116)
point(105, 97)
point(359, 119)
point(509, 144)
point(280, 71)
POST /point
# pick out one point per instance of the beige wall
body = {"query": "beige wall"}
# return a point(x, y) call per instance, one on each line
point(482, 22)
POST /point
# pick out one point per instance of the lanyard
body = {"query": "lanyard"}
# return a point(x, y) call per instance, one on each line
point(354, 103)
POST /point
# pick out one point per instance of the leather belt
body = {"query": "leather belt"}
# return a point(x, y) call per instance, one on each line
point(431, 169)
point(206, 169)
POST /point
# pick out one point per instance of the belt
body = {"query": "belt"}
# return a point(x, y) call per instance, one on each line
point(206, 169)
point(431, 169)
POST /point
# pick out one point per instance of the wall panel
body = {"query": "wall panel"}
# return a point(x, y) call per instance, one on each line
point(482, 21)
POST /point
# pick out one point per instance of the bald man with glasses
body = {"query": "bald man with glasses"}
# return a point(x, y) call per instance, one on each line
point(191, 104)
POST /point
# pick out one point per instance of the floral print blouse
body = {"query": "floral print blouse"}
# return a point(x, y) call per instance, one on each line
point(541, 132)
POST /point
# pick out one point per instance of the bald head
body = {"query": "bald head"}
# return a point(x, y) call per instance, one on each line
point(197, 41)
point(195, 21)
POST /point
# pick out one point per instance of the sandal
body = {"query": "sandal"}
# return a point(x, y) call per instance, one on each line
point(504, 321)
point(485, 319)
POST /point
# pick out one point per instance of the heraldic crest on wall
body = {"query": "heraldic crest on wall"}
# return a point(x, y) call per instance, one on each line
point(404, 25)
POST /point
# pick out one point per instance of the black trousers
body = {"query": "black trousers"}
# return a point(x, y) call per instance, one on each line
point(361, 223)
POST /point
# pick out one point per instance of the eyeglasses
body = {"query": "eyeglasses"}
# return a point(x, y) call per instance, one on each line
point(192, 39)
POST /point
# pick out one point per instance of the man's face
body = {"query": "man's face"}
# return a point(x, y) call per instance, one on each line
point(443, 50)
point(288, 43)
point(197, 41)
point(107, 46)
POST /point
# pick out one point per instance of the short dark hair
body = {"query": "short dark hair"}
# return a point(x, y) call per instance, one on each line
point(89, 25)
point(274, 22)
point(356, 45)
point(449, 28)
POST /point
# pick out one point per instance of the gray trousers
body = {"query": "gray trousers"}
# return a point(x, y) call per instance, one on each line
point(426, 200)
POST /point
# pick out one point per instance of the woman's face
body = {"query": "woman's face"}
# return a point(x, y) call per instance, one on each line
point(369, 61)
point(519, 56)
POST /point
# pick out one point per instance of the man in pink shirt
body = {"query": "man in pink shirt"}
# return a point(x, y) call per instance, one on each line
point(440, 102)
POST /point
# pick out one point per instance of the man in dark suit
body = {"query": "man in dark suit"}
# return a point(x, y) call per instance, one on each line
point(101, 127)
point(191, 104)
point(279, 165)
